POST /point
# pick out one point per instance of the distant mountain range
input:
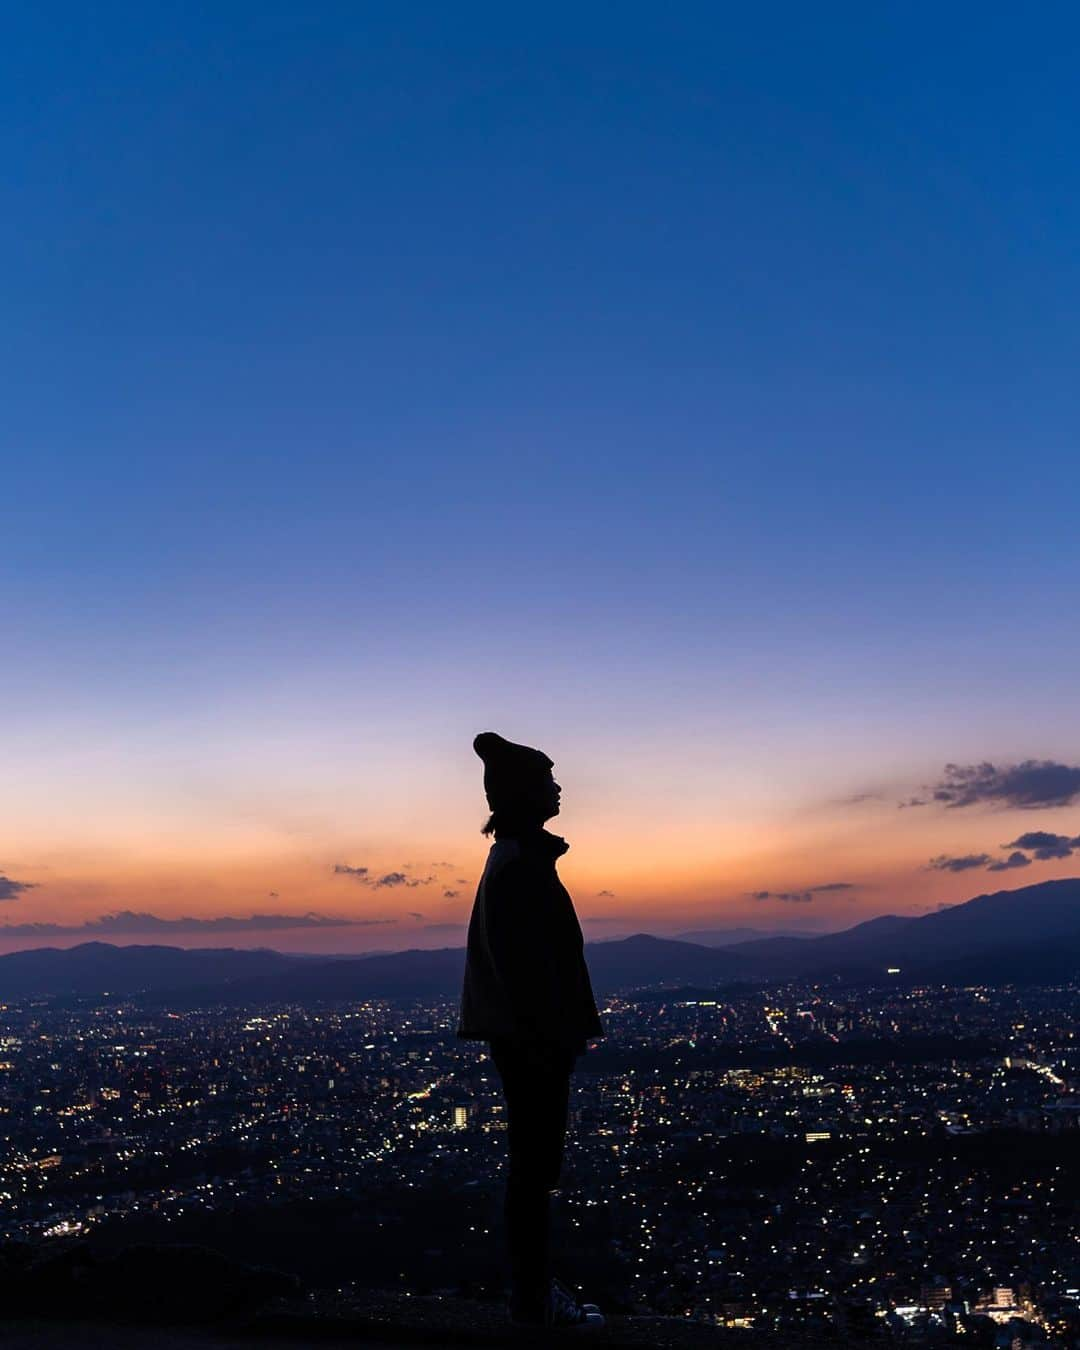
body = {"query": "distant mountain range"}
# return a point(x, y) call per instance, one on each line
point(962, 940)
point(727, 937)
point(1026, 936)
point(633, 962)
point(102, 968)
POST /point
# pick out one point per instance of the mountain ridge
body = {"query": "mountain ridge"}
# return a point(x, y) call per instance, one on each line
point(1029, 931)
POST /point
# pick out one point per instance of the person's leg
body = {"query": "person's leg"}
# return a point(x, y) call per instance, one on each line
point(537, 1098)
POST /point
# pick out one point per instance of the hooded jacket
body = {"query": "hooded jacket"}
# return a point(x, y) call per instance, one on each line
point(525, 972)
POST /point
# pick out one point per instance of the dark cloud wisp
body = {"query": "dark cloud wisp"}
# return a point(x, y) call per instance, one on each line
point(10, 889)
point(1014, 860)
point(387, 880)
point(1031, 784)
point(1032, 846)
point(805, 896)
point(399, 879)
point(1046, 845)
point(945, 862)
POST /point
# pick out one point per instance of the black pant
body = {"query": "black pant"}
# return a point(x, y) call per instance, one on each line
point(536, 1085)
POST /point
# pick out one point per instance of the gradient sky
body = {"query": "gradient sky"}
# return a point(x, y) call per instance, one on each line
point(690, 392)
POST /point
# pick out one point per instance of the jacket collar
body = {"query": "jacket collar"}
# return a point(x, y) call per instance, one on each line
point(542, 840)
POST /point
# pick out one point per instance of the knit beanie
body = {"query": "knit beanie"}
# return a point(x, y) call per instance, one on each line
point(510, 770)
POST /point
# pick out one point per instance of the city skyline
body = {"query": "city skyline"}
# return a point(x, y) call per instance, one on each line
point(791, 1157)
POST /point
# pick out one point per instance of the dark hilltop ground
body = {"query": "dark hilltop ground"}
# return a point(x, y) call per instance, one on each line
point(61, 1295)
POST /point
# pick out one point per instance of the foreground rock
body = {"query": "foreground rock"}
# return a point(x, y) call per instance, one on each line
point(163, 1284)
point(183, 1297)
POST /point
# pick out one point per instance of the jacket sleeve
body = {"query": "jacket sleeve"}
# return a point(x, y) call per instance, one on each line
point(525, 947)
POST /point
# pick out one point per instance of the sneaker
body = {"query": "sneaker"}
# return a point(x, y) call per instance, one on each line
point(563, 1310)
point(565, 1288)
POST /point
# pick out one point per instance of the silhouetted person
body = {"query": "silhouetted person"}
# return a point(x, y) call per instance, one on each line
point(527, 992)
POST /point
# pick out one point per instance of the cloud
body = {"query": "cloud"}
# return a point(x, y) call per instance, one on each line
point(912, 801)
point(605, 893)
point(272, 894)
point(451, 895)
point(945, 862)
point(789, 897)
point(462, 881)
point(1046, 845)
point(805, 896)
point(10, 889)
point(387, 880)
point(1007, 864)
point(414, 914)
point(1031, 784)
point(1043, 844)
point(400, 879)
point(450, 929)
point(131, 922)
point(1038, 839)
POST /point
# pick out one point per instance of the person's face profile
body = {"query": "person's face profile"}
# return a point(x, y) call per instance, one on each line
point(550, 796)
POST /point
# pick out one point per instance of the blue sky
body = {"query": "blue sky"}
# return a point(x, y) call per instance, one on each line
point(692, 392)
